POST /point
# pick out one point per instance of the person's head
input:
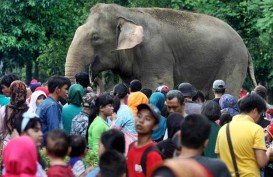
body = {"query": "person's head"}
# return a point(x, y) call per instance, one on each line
point(20, 157)
point(174, 121)
point(121, 90)
point(157, 99)
point(82, 78)
point(57, 144)
point(229, 104)
point(78, 146)
point(6, 80)
point(18, 93)
point(59, 86)
point(37, 97)
point(44, 89)
point(148, 92)
point(35, 85)
point(112, 139)
point(187, 89)
point(175, 101)
point(88, 102)
point(219, 87)
point(30, 125)
point(104, 104)
point(112, 163)
point(253, 105)
point(262, 91)
point(163, 89)
point(75, 94)
point(199, 97)
point(211, 110)
point(195, 130)
point(148, 117)
point(225, 118)
point(135, 85)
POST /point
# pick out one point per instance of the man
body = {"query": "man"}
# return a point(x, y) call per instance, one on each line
point(219, 89)
point(189, 92)
point(195, 130)
point(175, 102)
point(50, 111)
point(5, 82)
point(247, 138)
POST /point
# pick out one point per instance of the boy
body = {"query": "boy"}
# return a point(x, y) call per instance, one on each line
point(112, 164)
point(56, 148)
point(147, 120)
point(78, 151)
point(50, 111)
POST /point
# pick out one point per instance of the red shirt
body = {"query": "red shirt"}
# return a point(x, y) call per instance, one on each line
point(134, 160)
point(59, 171)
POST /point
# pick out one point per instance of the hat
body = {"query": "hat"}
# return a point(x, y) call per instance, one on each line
point(162, 88)
point(187, 89)
point(88, 100)
point(33, 81)
point(155, 111)
point(34, 86)
point(219, 84)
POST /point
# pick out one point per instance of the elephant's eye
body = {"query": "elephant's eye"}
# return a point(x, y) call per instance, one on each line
point(94, 37)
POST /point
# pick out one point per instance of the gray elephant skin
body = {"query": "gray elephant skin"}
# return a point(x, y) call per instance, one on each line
point(159, 46)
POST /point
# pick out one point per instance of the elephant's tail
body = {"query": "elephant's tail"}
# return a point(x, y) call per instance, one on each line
point(250, 70)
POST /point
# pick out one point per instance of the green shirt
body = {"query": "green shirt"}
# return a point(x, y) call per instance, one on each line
point(95, 130)
point(209, 150)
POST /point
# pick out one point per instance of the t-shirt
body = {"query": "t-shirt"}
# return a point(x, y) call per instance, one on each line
point(209, 150)
point(95, 130)
point(246, 136)
point(77, 166)
point(134, 160)
point(59, 171)
point(79, 124)
point(68, 113)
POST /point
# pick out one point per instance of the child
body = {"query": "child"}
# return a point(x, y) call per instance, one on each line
point(57, 147)
point(147, 120)
point(78, 151)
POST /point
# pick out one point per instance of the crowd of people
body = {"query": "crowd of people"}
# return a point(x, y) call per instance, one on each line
point(135, 131)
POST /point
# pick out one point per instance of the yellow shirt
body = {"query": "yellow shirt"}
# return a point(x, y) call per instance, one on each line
point(246, 136)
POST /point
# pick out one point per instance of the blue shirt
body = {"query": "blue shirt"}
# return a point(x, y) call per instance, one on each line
point(93, 173)
point(50, 113)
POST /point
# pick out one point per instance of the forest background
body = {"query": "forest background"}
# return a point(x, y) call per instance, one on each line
point(35, 34)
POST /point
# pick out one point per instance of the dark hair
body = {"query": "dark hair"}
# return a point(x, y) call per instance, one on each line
point(220, 91)
point(250, 102)
point(83, 79)
point(148, 92)
point(195, 130)
point(103, 100)
point(121, 90)
point(225, 118)
point(200, 95)
point(57, 81)
point(7, 79)
point(112, 163)
point(175, 94)
point(211, 110)
point(135, 85)
point(113, 139)
point(78, 145)
point(57, 143)
point(261, 90)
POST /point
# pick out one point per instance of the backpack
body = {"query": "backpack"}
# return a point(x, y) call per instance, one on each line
point(145, 154)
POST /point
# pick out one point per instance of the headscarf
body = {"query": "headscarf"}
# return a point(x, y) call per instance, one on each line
point(20, 161)
point(173, 123)
point(18, 91)
point(75, 94)
point(229, 104)
point(135, 99)
point(44, 89)
point(33, 99)
point(157, 99)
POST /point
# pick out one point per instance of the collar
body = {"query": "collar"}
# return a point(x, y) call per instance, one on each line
point(243, 117)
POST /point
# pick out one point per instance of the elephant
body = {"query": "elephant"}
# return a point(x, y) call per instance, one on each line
point(160, 46)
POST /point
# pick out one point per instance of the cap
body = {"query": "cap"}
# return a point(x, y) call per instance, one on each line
point(219, 84)
point(162, 88)
point(88, 100)
point(187, 89)
point(155, 111)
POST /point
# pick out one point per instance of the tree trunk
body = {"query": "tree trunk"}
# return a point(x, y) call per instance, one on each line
point(28, 72)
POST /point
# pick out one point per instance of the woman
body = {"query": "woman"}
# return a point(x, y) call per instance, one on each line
point(20, 161)
point(13, 111)
point(36, 99)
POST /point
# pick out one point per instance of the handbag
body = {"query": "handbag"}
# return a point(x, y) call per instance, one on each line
point(232, 152)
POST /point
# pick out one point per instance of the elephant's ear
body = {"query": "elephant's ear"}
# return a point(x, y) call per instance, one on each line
point(128, 34)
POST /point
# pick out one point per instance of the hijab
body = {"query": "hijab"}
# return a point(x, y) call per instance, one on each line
point(135, 99)
point(33, 99)
point(20, 162)
point(75, 94)
point(157, 99)
point(229, 104)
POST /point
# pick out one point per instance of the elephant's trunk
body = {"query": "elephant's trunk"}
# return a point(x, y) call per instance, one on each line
point(72, 67)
